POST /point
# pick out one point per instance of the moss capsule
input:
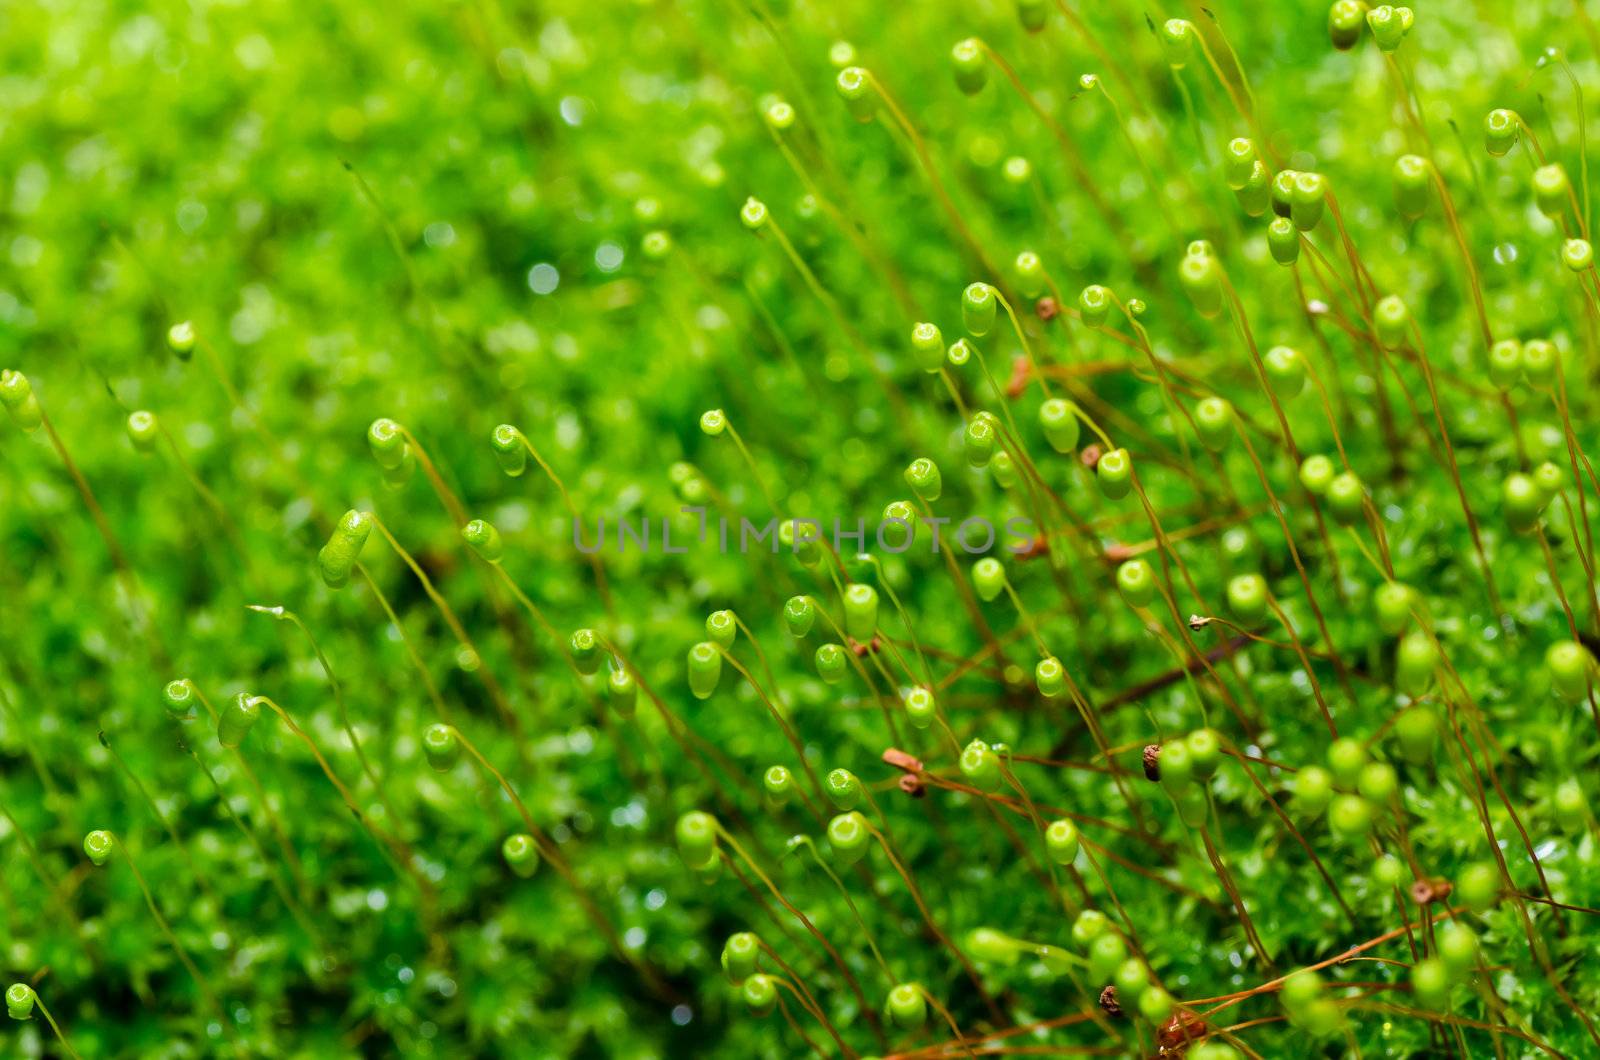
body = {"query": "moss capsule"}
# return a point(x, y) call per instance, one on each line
point(1094, 303)
point(1415, 660)
point(696, 835)
point(1378, 782)
point(1286, 371)
point(1033, 14)
point(1281, 193)
point(1106, 954)
point(927, 346)
point(843, 789)
point(98, 845)
point(1478, 887)
point(906, 1007)
point(722, 628)
point(705, 669)
point(1177, 41)
point(1505, 363)
point(387, 441)
point(1313, 790)
point(848, 835)
point(799, 615)
point(970, 65)
point(178, 697)
point(1345, 19)
point(1350, 816)
point(1307, 200)
point(1389, 25)
point(1255, 194)
point(1521, 501)
point(1050, 677)
point(1501, 130)
point(988, 578)
point(1247, 597)
point(180, 339)
point(338, 557)
point(1061, 840)
point(753, 214)
point(1058, 419)
point(484, 539)
point(1316, 474)
point(1283, 240)
point(1391, 319)
point(1205, 752)
point(143, 430)
point(1550, 189)
point(760, 995)
point(1571, 669)
point(16, 394)
point(1213, 422)
point(1577, 254)
point(981, 766)
point(1458, 947)
point(1539, 362)
point(1430, 983)
point(1114, 473)
point(509, 450)
point(921, 707)
point(861, 612)
point(777, 783)
point(1136, 582)
point(19, 1001)
point(924, 479)
point(739, 955)
point(521, 854)
point(1391, 606)
point(441, 747)
point(978, 441)
point(1413, 184)
point(622, 691)
point(1201, 277)
point(979, 304)
point(832, 663)
point(1239, 158)
point(238, 716)
point(1417, 733)
point(854, 86)
point(1346, 497)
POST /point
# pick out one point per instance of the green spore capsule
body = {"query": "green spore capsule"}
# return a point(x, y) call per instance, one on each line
point(178, 697)
point(16, 394)
point(1505, 363)
point(1201, 278)
point(979, 303)
point(803, 546)
point(1313, 790)
point(1316, 474)
point(843, 789)
point(979, 440)
point(338, 557)
point(924, 479)
point(506, 441)
point(1522, 501)
point(1205, 752)
point(1177, 41)
point(753, 214)
point(861, 612)
point(1391, 605)
point(1550, 479)
point(521, 854)
point(622, 691)
point(958, 354)
point(1389, 25)
point(713, 423)
point(1378, 782)
point(1156, 1006)
point(988, 578)
point(1430, 983)
point(1050, 677)
point(584, 644)
point(98, 845)
point(1004, 470)
point(1094, 305)
point(1501, 130)
point(1213, 422)
point(387, 441)
point(1550, 189)
point(19, 1001)
point(1029, 273)
point(1350, 817)
point(1346, 497)
point(760, 995)
point(1415, 661)
point(921, 707)
point(848, 835)
point(655, 244)
point(778, 784)
point(799, 615)
point(1131, 980)
point(1033, 14)
point(1136, 581)
point(1417, 733)
point(1346, 758)
point(1114, 474)
point(832, 663)
point(1345, 19)
point(484, 539)
point(1106, 954)
point(1571, 669)
point(1283, 240)
point(1458, 947)
point(1413, 184)
point(981, 766)
point(1539, 362)
point(180, 339)
point(1577, 254)
point(739, 956)
point(696, 835)
point(1062, 842)
point(143, 430)
point(1255, 194)
point(721, 628)
point(906, 1007)
point(779, 115)
point(705, 669)
point(1058, 419)
point(1239, 158)
point(1478, 887)
point(441, 747)
point(1247, 597)
point(1307, 200)
point(898, 529)
point(970, 66)
point(1286, 371)
point(927, 347)
point(1281, 193)
point(238, 716)
point(1088, 926)
point(854, 86)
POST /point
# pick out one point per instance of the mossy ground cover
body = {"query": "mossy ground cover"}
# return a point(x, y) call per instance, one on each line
point(1262, 337)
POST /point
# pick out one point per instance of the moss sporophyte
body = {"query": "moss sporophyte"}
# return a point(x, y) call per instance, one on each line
point(800, 529)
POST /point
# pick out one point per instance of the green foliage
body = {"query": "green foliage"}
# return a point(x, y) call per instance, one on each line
point(1274, 331)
